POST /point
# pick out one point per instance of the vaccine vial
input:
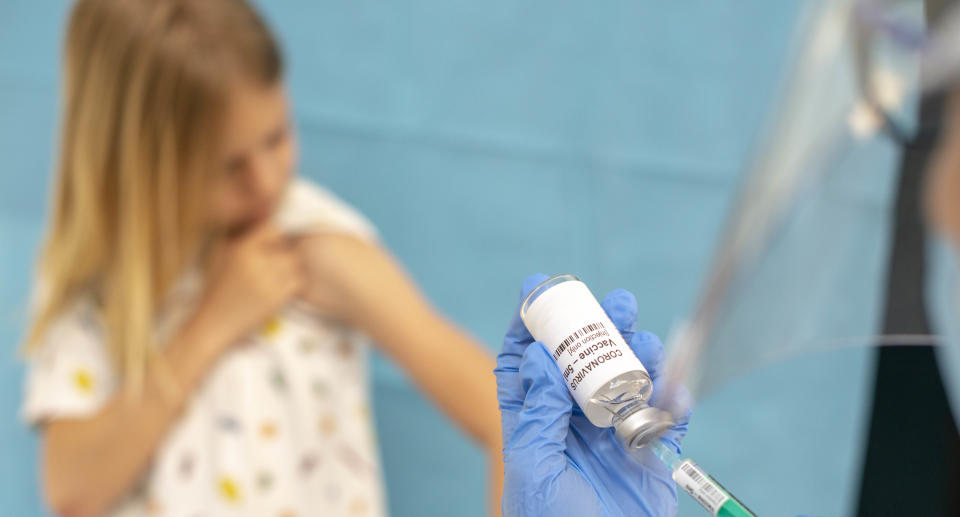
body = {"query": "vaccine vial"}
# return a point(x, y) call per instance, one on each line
point(606, 379)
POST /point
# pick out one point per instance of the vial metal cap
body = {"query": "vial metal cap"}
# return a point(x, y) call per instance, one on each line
point(642, 427)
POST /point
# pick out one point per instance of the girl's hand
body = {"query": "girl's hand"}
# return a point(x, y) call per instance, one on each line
point(345, 276)
point(249, 278)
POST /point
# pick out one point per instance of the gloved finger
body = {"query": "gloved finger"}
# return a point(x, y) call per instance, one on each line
point(621, 306)
point(518, 337)
point(674, 434)
point(675, 399)
point(510, 392)
point(538, 441)
point(649, 350)
point(671, 397)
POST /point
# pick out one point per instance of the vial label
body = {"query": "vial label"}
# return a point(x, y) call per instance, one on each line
point(700, 486)
point(581, 338)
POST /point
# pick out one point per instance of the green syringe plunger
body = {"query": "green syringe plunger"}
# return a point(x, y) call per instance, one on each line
point(701, 486)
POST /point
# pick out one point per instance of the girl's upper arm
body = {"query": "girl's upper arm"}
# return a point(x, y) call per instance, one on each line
point(69, 372)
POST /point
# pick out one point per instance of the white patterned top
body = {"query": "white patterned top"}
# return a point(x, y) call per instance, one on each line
point(281, 426)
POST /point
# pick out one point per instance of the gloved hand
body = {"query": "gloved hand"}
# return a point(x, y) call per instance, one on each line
point(556, 462)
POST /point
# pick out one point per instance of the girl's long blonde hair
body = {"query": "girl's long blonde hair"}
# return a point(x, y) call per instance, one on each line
point(145, 87)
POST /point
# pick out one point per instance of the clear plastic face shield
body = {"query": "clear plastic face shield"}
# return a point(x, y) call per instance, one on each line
point(801, 267)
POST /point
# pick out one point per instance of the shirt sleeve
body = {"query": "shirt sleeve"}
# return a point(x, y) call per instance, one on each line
point(308, 207)
point(69, 373)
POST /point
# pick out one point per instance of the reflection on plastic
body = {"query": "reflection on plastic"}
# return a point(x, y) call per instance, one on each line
point(801, 264)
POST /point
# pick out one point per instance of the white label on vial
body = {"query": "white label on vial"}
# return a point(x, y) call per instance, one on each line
point(580, 336)
point(696, 483)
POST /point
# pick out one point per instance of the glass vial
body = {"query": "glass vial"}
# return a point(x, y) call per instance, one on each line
point(606, 379)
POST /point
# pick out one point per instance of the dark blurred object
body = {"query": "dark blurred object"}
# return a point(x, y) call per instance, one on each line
point(912, 460)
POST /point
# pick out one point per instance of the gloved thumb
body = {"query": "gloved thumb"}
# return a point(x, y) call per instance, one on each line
point(539, 438)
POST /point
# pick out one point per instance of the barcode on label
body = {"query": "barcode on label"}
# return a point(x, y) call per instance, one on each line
point(576, 335)
point(700, 487)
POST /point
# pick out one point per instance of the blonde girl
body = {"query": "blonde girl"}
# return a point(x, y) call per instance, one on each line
point(195, 347)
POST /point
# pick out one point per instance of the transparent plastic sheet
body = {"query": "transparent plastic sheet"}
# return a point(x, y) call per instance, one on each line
point(801, 266)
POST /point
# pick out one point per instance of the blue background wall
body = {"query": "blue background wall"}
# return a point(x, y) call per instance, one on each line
point(489, 140)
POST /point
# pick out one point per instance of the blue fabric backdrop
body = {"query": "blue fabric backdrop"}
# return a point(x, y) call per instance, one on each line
point(490, 140)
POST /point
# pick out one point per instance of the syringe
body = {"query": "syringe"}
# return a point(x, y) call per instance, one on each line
point(694, 481)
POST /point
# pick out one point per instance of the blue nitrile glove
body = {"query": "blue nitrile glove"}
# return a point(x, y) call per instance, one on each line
point(556, 462)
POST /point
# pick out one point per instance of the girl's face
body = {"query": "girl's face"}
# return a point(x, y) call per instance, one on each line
point(258, 153)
